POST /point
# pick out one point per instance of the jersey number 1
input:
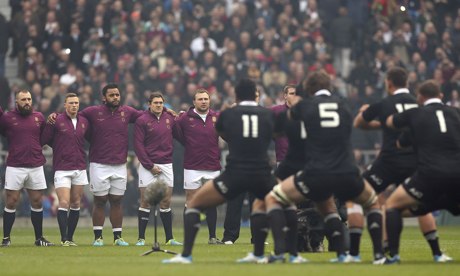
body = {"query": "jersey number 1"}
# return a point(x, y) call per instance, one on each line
point(442, 121)
point(250, 126)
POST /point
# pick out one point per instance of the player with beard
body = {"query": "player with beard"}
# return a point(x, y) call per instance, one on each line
point(108, 151)
point(196, 132)
point(67, 138)
point(248, 130)
point(22, 128)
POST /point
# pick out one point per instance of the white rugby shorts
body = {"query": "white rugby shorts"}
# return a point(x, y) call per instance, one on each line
point(107, 179)
point(146, 177)
point(64, 179)
point(194, 179)
point(17, 178)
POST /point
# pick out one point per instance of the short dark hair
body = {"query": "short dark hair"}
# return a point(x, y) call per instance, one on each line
point(398, 76)
point(21, 91)
point(70, 95)
point(156, 94)
point(246, 90)
point(429, 89)
point(316, 81)
point(107, 87)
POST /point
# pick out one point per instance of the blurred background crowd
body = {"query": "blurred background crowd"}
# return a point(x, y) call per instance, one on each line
point(176, 46)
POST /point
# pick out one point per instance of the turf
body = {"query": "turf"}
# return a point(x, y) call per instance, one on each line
point(22, 258)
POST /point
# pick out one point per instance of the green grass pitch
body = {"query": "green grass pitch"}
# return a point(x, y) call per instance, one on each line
point(22, 258)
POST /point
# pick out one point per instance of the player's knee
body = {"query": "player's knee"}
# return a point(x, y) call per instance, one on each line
point(355, 209)
point(165, 204)
point(64, 203)
point(370, 202)
point(280, 196)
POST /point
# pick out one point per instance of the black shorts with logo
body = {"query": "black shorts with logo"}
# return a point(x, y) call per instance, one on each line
point(434, 193)
point(232, 183)
point(382, 174)
point(346, 186)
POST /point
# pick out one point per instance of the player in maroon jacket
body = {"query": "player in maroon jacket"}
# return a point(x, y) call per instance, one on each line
point(67, 138)
point(22, 128)
point(153, 144)
point(195, 130)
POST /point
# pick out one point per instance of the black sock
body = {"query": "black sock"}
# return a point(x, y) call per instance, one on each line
point(62, 221)
point(142, 221)
point(259, 230)
point(116, 233)
point(334, 230)
point(277, 222)
point(291, 235)
point(394, 225)
point(74, 216)
point(211, 220)
point(374, 226)
point(355, 240)
point(191, 227)
point(166, 219)
point(97, 232)
point(432, 239)
point(36, 216)
point(8, 220)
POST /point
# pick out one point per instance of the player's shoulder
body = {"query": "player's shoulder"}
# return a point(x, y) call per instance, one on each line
point(127, 108)
point(38, 114)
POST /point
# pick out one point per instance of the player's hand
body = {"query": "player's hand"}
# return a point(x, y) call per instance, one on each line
point(155, 170)
point(51, 118)
point(363, 108)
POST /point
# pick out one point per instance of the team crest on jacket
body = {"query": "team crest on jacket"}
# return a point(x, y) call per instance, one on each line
point(214, 119)
point(122, 114)
point(83, 125)
point(167, 121)
point(36, 119)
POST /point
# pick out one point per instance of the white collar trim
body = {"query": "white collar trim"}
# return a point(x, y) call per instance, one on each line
point(248, 103)
point(401, 90)
point(432, 100)
point(323, 92)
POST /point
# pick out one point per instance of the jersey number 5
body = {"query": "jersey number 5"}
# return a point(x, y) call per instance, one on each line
point(250, 126)
point(328, 114)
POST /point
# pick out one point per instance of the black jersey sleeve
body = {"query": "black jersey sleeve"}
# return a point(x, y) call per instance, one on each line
point(405, 139)
point(372, 112)
point(280, 123)
point(401, 120)
point(219, 124)
point(296, 111)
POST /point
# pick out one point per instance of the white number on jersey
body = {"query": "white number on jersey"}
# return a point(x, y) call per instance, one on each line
point(442, 121)
point(250, 126)
point(403, 107)
point(303, 131)
point(328, 114)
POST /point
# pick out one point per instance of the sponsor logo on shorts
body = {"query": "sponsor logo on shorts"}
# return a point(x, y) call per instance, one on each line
point(416, 193)
point(305, 190)
point(222, 187)
point(376, 179)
